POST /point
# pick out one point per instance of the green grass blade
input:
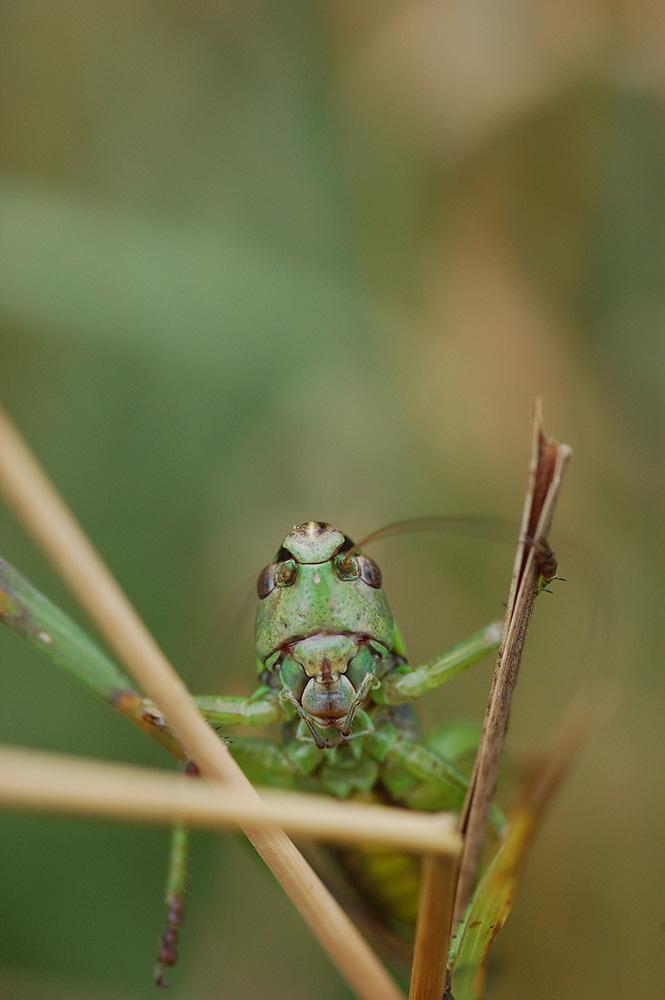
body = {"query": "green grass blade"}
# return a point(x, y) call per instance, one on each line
point(493, 898)
point(46, 628)
point(489, 909)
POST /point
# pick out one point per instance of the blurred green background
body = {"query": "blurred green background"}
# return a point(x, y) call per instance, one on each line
point(267, 262)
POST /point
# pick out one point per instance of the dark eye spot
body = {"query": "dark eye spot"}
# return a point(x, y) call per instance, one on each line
point(266, 581)
point(370, 572)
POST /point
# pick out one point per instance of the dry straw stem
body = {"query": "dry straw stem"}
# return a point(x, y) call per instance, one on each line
point(548, 464)
point(48, 520)
point(58, 784)
point(435, 910)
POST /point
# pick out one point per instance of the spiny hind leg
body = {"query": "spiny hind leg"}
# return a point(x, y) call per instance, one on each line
point(174, 895)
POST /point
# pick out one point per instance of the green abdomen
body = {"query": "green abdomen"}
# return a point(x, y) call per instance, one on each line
point(388, 884)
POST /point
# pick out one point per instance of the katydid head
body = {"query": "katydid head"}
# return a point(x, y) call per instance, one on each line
point(322, 624)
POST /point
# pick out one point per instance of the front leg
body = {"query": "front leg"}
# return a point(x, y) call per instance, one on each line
point(263, 708)
point(406, 683)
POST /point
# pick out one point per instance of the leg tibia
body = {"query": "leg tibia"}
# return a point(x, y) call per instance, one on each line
point(407, 683)
point(263, 708)
point(175, 901)
point(418, 778)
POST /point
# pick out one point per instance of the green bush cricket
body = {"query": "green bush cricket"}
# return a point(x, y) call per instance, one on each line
point(332, 668)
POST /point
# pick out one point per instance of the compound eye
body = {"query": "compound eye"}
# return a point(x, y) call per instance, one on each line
point(370, 572)
point(346, 567)
point(266, 581)
point(285, 573)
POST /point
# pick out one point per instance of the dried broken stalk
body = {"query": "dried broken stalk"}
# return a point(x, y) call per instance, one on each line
point(533, 558)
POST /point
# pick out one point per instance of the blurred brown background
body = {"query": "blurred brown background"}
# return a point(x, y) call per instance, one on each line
point(267, 262)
